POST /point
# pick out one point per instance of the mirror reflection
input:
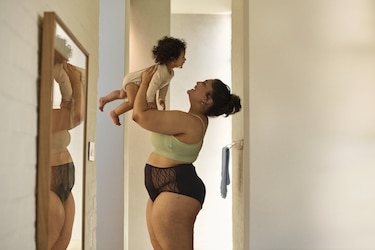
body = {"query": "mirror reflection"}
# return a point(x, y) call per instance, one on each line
point(67, 144)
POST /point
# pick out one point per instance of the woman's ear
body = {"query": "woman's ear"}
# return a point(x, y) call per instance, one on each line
point(208, 100)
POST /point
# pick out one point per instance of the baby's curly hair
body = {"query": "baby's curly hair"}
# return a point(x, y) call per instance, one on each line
point(62, 46)
point(168, 49)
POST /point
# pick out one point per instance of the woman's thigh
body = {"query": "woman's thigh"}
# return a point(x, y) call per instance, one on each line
point(154, 241)
point(172, 219)
point(65, 233)
point(56, 217)
point(69, 208)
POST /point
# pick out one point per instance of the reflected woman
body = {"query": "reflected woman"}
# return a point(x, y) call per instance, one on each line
point(68, 116)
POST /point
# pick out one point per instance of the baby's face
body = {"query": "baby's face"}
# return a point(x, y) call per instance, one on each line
point(180, 60)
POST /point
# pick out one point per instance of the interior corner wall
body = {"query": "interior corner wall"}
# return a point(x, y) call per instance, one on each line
point(149, 21)
point(110, 144)
point(241, 127)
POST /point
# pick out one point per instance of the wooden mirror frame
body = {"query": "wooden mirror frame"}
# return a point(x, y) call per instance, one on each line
point(50, 21)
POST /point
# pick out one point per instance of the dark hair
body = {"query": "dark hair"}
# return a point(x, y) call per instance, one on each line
point(224, 103)
point(168, 49)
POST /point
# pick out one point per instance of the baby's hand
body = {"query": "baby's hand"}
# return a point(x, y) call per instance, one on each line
point(151, 105)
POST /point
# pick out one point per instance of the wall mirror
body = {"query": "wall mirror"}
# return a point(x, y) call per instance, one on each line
point(61, 142)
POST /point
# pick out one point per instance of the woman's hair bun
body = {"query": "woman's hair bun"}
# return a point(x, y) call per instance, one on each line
point(224, 103)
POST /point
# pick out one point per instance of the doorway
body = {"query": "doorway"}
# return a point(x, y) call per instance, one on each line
point(208, 56)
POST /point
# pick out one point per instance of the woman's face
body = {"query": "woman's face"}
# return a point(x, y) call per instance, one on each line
point(201, 91)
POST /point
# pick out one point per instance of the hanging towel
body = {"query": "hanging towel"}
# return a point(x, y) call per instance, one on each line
point(225, 181)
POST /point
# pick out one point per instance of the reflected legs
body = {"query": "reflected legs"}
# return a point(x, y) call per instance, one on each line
point(61, 217)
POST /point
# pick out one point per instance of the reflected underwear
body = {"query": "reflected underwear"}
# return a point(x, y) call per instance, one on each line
point(62, 180)
point(180, 179)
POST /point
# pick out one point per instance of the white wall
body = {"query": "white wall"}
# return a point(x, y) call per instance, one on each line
point(312, 124)
point(18, 98)
point(20, 31)
point(208, 56)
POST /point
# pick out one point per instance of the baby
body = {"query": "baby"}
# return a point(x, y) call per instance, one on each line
point(169, 53)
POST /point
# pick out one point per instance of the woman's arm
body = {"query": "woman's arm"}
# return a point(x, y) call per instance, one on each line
point(60, 119)
point(140, 103)
point(164, 122)
point(162, 95)
point(154, 85)
point(78, 98)
point(68, 118)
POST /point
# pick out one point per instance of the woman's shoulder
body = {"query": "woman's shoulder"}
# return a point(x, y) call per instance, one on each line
point(183, 118)
point(192, 120)
point(194, 127)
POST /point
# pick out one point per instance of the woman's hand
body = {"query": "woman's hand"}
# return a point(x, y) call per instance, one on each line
point(152, 105)
point(162, 104)
point(147, 74)
point(140, 106)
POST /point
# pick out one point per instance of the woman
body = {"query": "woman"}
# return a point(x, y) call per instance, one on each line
point(176, 192)
point(62, 207)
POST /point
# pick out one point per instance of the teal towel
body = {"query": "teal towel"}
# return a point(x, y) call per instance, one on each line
point(225, 180)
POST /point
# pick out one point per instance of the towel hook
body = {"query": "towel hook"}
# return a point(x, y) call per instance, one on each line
point(236, 144)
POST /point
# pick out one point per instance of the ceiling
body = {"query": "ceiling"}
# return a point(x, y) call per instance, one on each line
point(201, 6)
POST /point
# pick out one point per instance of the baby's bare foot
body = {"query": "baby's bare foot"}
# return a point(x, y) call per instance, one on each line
point(115, 118)
point(102, 102)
